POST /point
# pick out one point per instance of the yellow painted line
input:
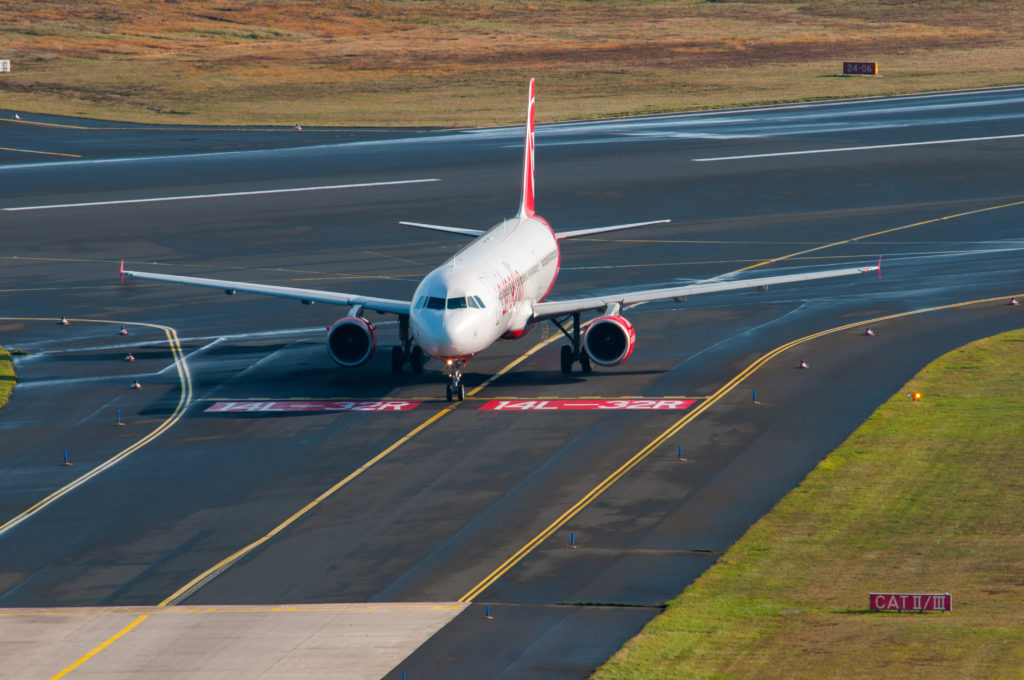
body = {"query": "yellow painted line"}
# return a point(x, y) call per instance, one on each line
point(887, 231)
point(106, 643)
point(185, 381)
point(533, 350)
point(233, 609)
point(706, 404)
point(44, 153)
point(792, 258)
point(17, 121)
point(226, 563)
point(673, 429)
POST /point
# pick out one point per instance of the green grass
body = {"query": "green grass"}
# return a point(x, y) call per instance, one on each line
point(7, 376)
point(925, 497)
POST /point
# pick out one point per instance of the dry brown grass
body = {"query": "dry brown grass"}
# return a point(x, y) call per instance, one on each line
point(412, 62)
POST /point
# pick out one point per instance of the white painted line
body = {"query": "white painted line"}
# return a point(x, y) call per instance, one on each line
point(856, 148)
point(222, 195)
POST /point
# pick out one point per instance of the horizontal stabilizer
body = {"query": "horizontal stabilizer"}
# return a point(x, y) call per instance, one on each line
point(438, 227)
point(599, 230)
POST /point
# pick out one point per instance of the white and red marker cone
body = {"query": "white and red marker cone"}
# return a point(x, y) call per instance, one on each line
point(868, 331)
point(1013, 302)
point(123, 331)
point(802, 364)
point(129, 357)
point(63, 321)
point(136, 385)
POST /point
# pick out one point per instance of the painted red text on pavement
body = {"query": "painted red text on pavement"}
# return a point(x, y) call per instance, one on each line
point(588, 405)
point(309, 406)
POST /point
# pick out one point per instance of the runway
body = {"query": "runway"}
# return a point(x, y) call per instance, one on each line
point(571, 527)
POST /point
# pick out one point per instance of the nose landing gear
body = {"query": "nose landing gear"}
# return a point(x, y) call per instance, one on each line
point(455, 389)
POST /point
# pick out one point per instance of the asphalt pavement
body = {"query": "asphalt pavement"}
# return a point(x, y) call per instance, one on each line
point(513, 509)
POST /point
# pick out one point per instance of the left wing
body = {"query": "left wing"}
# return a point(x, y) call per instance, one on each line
point(547, 310)
point(306, 295)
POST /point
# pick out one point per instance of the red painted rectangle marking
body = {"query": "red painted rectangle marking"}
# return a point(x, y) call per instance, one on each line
point(309, 406)
point(860, 68)
point(910, 602)
point(588, 405)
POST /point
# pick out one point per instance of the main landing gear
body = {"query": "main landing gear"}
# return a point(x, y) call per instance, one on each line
point(575, 352)
point(406, 351)
point(455, 389)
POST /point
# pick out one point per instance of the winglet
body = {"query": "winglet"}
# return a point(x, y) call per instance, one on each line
point(526, 203)
point(879, 266)
point(122, 271)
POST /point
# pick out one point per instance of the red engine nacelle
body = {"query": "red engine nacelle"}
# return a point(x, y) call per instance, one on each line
point(350, 341)
point(609, 340)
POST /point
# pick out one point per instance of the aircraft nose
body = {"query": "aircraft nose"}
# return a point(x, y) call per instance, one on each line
point(462, 329)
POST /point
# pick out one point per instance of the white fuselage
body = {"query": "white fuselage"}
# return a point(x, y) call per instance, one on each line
point(486, 290)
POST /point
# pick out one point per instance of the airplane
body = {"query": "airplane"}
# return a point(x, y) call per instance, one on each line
point(494, 288)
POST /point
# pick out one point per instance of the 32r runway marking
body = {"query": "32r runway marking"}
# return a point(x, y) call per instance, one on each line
point(674, 429)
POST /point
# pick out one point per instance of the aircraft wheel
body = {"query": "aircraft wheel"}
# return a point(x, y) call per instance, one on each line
point(397, 359)
point(448, 392)
point(566, 359)
point(416, 359)
point(585, 362)
point(462, 392)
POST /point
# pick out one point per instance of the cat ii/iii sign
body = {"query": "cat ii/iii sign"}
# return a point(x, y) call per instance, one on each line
point(5, 65)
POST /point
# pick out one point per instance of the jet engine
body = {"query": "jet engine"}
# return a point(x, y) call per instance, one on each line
point(351, 341)
point(609, 340)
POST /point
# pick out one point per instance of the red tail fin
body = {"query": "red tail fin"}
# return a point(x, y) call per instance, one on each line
point(526, 204)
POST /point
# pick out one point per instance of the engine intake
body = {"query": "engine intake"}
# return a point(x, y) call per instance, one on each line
point(609, 340)
point(351, 341)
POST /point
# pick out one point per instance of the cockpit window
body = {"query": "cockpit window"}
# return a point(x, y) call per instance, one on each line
point(435, 303)
point(476, 299)
point(421, 303)
point(457, 303)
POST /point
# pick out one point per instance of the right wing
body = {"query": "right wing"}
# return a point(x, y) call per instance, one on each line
point(306, 295)
point(554, 308)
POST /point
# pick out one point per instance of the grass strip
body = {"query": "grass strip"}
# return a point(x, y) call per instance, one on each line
point(926, 496)
point(7, 376)
point(461, 63)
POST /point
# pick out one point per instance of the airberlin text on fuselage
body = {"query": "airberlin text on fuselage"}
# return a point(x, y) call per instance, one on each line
point(310, 406)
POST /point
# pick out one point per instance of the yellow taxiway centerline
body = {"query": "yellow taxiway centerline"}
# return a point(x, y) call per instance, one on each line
point(103, 645)
point(673, 429)
point(30, 151)
point(607, 482)
point(226, 563)
point(185, 381)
